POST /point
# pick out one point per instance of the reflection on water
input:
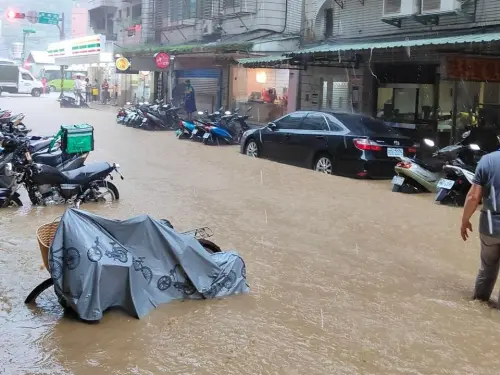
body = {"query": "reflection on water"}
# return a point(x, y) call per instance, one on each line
point(347, 277)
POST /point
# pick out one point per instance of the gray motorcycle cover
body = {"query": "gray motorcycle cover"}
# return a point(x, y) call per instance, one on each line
point(136, 264)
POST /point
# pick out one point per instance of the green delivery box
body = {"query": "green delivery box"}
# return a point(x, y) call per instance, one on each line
point(76, 139)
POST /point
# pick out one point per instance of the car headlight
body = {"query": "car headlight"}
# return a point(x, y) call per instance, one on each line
point(9, 169)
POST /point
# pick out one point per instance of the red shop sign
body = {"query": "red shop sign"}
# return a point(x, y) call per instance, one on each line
point(162, 60)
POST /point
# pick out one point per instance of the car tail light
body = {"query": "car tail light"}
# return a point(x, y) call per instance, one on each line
point(412, 150)
point(364, 144)
point(403, 164)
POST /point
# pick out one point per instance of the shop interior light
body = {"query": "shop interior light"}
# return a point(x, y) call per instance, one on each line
point(261, 77)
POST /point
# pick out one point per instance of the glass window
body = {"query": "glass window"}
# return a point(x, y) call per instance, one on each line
point(359, 124)
point(405, 100)
point(425, 102)
point(315, 121)
point(26, 77)
point(291, 121)
point(264, 90)
point(385, 107)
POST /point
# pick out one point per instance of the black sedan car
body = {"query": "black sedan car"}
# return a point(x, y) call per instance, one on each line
point(328, 142)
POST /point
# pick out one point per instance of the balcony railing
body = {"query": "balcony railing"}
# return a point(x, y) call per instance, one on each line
point(93, 4)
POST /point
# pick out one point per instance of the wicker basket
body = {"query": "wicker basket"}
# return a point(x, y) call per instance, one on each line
point(45, 235)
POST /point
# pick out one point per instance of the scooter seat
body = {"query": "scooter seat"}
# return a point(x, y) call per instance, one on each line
point(53, 159)
point(39, 145)
point(431, 165)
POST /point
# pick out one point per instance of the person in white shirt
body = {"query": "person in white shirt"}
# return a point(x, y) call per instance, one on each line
point(78, 89)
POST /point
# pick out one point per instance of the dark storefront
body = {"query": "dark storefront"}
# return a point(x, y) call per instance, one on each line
point(407, 97)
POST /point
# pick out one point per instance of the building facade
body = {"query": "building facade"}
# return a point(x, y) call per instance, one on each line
point(204, 39)
point(428, 65)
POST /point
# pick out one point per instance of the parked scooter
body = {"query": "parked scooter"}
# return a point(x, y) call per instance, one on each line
point(419, 176)
point(458, 178)
point(230, 132)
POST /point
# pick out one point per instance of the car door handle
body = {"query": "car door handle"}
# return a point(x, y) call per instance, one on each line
point(288, 135)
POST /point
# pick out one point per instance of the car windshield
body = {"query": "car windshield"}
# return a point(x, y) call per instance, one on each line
point(359, 124)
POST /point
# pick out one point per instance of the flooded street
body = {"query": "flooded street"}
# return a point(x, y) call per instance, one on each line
point(346, 276)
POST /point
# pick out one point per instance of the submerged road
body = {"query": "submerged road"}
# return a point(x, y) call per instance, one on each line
point(346, 276)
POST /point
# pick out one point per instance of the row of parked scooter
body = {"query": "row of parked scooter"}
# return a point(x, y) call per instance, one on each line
point(449, 171)
point(219, 127)
point(50, 172)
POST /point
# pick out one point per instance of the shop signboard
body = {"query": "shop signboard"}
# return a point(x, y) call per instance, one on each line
point(123, 65)
point(89, 45)
point(162, 60)
point(473, 69)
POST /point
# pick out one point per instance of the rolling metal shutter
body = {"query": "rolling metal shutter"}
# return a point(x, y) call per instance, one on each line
point(206, 84)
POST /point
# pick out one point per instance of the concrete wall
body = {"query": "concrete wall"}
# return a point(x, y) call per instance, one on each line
point(364, 21)
point(281, 16)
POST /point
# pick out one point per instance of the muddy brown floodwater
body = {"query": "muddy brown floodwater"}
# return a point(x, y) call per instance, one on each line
point(347, 277)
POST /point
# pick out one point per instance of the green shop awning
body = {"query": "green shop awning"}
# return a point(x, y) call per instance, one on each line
point(361, 46)
point(264, 61)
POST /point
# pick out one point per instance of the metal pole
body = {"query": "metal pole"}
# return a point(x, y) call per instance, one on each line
point(61, 37)
point(24, 47)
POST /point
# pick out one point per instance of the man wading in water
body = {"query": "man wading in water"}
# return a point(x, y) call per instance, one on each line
point(486, 186)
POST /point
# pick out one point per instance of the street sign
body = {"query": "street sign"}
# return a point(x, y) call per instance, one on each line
point(32, 16)
point(48, 18)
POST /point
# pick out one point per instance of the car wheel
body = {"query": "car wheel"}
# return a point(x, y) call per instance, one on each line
point(324, 164)
point(36, 93)
point(52, 89)
point(252, 149)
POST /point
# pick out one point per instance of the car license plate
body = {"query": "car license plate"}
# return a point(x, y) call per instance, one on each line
point(144, 119)
point(445, 184)
point(395, 152)
point(206, 135)
point(195, 131)
point(398, 180)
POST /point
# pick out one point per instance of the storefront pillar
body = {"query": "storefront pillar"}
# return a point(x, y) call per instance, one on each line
point(453, 133)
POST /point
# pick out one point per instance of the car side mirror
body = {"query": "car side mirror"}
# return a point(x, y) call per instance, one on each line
point(272, 126)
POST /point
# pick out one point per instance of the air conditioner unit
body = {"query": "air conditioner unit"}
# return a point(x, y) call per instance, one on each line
point(207, 27)
point(440, 6)
point(398, 8)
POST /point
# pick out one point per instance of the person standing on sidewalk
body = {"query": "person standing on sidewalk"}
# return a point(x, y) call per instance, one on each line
point(486, 186)
point(105, 91)
point(78, 87)
point(88, 90)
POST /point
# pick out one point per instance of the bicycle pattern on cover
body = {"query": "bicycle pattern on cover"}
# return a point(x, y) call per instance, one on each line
point(69, 257)
point(117, 252)
point(185, 286)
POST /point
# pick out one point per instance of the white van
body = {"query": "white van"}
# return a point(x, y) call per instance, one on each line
point(16, 80)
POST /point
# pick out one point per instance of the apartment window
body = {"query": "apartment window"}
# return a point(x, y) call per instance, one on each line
point(128, 12)
point(120, 14)
point(232, 3)
point(329, 22)
point(136, 11)
point(182, 9)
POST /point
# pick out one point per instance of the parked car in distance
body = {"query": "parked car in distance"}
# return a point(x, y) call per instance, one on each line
point(328, 142)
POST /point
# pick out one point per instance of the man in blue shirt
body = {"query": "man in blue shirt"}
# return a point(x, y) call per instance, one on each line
point(486, 185)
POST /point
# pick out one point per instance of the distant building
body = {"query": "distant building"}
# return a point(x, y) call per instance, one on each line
point(79, 22)
point(38, 60)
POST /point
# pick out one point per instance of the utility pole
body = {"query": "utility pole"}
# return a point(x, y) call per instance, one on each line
point(61, 37)
point(25, 34)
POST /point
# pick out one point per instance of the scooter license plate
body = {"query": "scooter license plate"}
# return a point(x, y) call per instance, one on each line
point(144, 120)
point(395, 152)
point(195, 131)
point(206, 135)
point(445, 184)
point(398, 180)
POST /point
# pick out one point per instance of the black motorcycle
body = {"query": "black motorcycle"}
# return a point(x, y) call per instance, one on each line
point(48, 185)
